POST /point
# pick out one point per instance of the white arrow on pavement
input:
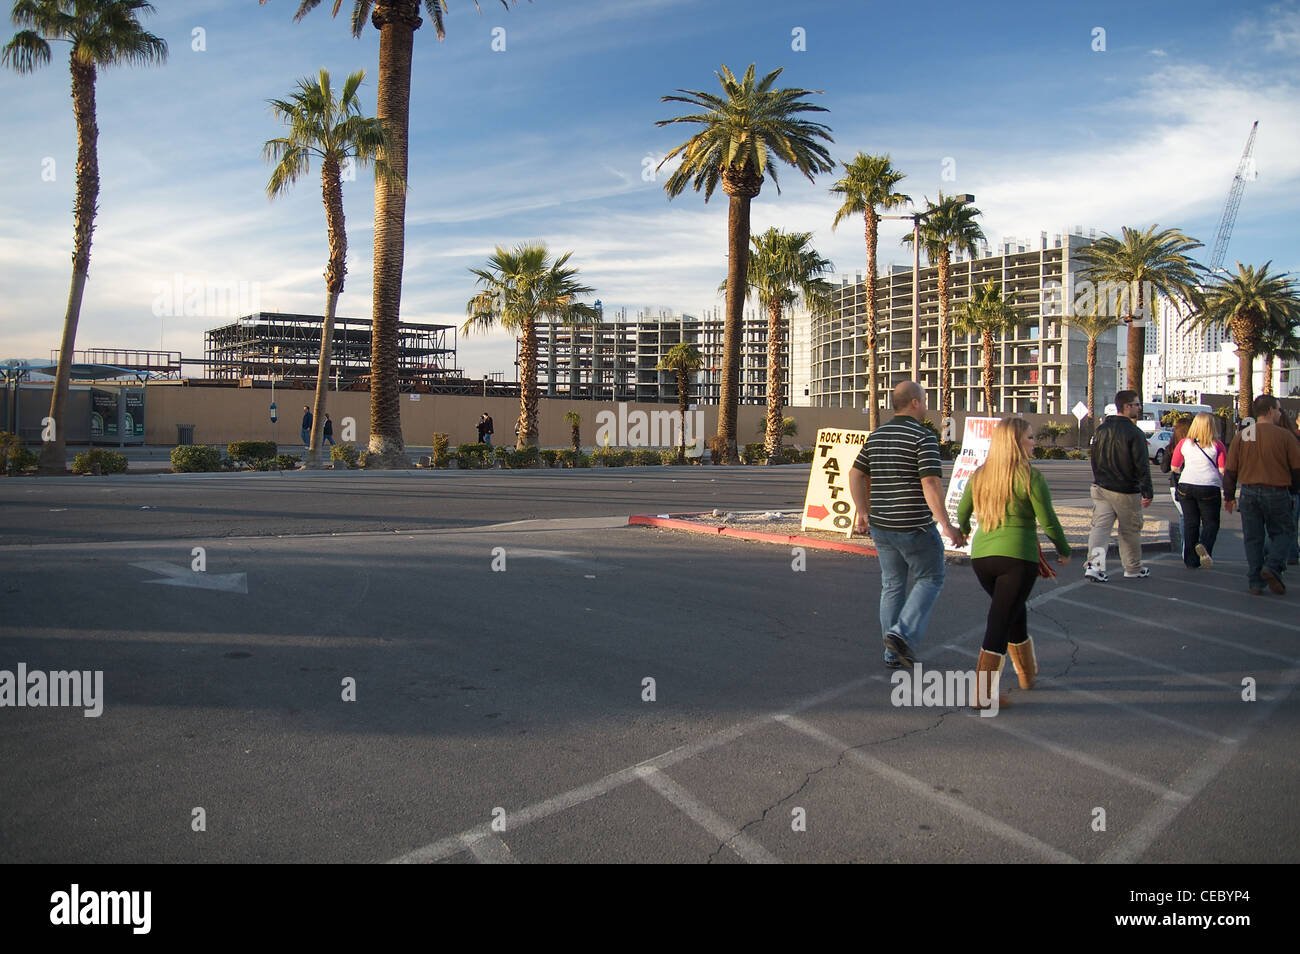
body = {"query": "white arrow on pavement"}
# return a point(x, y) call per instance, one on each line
point(184, 576)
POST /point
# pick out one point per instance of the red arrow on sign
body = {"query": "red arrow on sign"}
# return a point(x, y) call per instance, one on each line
point(818, 512)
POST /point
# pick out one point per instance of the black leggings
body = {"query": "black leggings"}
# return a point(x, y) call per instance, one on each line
point(1009, 582)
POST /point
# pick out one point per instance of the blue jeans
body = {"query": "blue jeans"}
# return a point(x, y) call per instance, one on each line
point(919, 552)
point(1265, 512)
point(1290, 543)
point(306, 436)
point(1200, 504)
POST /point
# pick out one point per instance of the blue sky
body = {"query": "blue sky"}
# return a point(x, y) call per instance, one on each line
point(547, 139)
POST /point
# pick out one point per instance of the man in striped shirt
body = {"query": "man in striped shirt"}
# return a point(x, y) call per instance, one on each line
point(896, 484)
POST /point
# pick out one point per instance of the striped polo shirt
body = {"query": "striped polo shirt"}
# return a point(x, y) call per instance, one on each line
point(896, 456)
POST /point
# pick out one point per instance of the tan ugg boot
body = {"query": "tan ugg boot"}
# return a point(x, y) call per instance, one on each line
point(986, 687)
point(1024, 661)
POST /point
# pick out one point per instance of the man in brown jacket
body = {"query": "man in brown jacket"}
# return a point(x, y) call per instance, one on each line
point(1264, 462)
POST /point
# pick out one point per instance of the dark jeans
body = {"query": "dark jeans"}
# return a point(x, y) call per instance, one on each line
point(1201, 505)
point(1290, 543)
point(1265, 511)
point(1009, 581)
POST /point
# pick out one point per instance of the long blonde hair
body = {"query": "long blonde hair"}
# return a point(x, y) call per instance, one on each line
point(1202, 430)
point(994, 484)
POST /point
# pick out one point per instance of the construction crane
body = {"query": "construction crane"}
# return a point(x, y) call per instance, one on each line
point(1234, 202)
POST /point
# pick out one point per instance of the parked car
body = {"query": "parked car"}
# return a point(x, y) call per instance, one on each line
point(1158, 444)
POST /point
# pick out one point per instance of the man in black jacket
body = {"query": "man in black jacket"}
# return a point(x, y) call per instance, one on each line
point(1121, 474)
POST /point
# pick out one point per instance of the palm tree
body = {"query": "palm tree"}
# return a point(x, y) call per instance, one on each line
point(397, 21)
point(100, 33)
point(950, 226)
point(515, 290)
point(333, 130)
point(745, 130)
point(1278, 341)
point(1246, 304)
point(783, 270)
point(684, 359)
point(1096, 321)
point(988, 315)
point(868, 185)
point(1142, 261)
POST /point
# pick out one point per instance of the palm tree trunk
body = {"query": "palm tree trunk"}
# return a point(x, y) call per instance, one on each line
point(873, 358)
point(681, 409)
point(737, 275)
point(1137, 348)
point(987, 345)
point(1092, 380)
point(945, 352)
point(527, 386)
point(53, 458)
point(332, 194)
point(1267, 387)
point(397, 22)
point(1245, 375)
point(775, 397)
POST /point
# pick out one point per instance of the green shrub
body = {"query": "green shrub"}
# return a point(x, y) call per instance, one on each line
point(806, 457)
point(251, 450)
point(753, 453)
point(195, 458)
point(668, 456)
point(568, 458)
point(1077, 455)
point(108, 462)
point(502, 455)
point(519, 459)
point(1040, 452)
point(345, 453)
point(13, 455)
point(789, 426)
point(548, 456)
point(284, 461)
point(644, 457)
point(611, 457)
point(473, 456)
point(1057, 453)
point(440, 444)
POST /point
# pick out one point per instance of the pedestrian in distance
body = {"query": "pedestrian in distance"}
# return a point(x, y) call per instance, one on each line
point(1121, 488)
point(1264, 463)
point(485, 429)
point(306, 427)
point(328, 431)
point(1198, 461)
point(1009, 500)
point(1291, 544)
point(896, 485)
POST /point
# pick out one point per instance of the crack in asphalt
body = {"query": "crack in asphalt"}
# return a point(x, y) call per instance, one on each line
point(830, 765)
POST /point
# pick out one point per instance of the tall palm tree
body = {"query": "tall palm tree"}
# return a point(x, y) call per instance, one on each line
point(1246, 304)
point(784, 269)
point(949, 227)
point(990, 316)
point(683, 359)
point(397, 21)
point(100, 33)
point(1094, 322)
point(745, 129)
point(515, 290)
point(334, 130)
point(1278, 341)
point(868, 186)
point(1143, 261)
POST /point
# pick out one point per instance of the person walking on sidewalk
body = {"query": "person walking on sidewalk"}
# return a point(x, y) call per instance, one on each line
point(1199, 460)
point(306, 427)
point(1009, 500)
point(1264, 461)
point(327, 434)
point(1121, 475)
point(1291, 543)
point(485, 429)
point(896, 485)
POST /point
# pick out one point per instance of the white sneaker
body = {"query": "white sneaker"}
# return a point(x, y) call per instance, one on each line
point(1204, 554)
point(1141, 574)
point(1095, 575)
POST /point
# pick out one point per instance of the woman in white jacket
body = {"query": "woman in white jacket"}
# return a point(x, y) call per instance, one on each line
point(1199, 460)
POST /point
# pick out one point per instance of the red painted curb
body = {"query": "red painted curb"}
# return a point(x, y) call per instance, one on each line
point(671, 522)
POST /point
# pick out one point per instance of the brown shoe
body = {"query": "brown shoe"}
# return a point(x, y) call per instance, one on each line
point(1273, 581)
point(986, 686)
point(1024, 661)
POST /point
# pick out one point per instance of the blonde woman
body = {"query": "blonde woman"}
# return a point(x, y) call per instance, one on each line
point(1009, 499)
point(1199, 460)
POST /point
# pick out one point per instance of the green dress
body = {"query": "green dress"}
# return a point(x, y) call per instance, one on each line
point(1017, 537)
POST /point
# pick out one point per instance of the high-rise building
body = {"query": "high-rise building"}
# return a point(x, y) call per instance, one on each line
point(1040, 366)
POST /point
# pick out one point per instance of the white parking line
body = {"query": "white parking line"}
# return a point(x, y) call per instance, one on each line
point(1155, 664)
point(1230, 644)
point(707, 818)
point(926, 791)
point(1139, 711)
point(488, 849)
